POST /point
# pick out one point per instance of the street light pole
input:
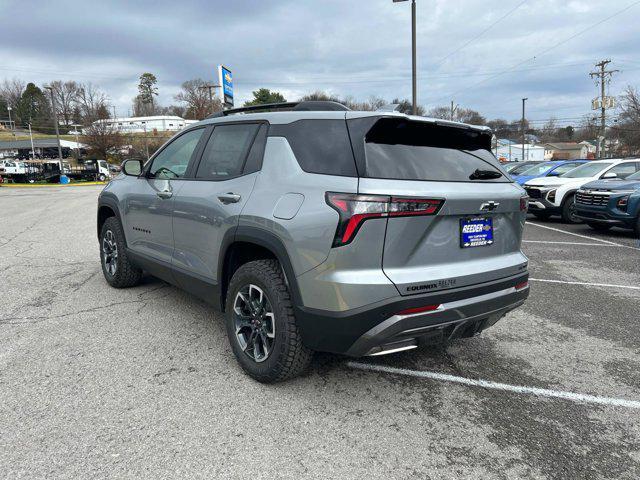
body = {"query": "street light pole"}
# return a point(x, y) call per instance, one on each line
point(10, 125)
point(414, 80)
point(55, 121)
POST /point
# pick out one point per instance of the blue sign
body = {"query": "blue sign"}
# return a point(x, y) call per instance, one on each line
point(476, 232)
point(226, 82)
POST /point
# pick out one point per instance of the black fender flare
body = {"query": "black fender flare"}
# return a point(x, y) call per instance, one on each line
point(110, 201)
point(271, 242)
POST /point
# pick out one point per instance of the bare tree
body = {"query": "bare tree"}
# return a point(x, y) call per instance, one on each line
point(102, 138)
point(549, 131)
point(93, 103)
point(66, 95)
point(11, 91)
point(628, 128)
point(195, 95)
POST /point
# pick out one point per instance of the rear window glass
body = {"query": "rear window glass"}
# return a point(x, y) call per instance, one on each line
point(320, 146)
point(406, 150)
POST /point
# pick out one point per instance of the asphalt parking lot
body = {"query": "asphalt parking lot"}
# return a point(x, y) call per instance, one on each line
point(104, 383)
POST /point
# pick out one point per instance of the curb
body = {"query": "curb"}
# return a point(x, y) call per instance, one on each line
point(49, 185)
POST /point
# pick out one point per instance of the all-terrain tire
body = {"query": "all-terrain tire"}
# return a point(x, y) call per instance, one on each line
point(288, 356)
point(125, 273)
point(568, 210)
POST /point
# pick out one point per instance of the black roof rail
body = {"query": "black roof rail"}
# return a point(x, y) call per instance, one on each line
point(307, 105)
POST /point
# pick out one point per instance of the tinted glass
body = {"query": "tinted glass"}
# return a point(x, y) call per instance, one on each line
point(586, 170)
point(173, 160)
point(635, 176)
point(226, 150)
point(320, 146)
point(623, 170)
point(400, 149)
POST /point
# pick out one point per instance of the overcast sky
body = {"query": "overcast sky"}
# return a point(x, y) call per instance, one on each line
point(483, 54)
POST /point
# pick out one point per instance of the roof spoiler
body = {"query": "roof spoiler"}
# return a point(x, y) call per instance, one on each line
point(306, 105)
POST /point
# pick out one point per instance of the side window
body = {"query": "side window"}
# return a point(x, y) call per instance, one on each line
point(226, 150)
point(173, 160)
point(623, 170)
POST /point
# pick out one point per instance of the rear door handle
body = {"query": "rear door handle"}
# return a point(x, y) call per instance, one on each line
point(229, 197)
point(164, 193)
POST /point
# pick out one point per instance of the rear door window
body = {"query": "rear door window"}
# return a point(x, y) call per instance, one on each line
point(226, 151)
point(407, 150)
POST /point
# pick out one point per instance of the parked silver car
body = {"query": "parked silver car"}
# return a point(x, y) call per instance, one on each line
point(317, 228)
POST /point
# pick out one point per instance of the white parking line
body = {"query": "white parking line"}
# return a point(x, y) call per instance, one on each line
point(573, 243)
point(583, 283)
point(538, 392)
point(582, 236)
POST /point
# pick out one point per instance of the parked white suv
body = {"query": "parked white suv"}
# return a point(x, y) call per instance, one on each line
point(555, 195)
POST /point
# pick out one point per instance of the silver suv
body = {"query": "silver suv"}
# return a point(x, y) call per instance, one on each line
point(317, 228)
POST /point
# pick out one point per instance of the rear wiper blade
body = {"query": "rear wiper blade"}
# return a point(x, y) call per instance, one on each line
point(484, 174)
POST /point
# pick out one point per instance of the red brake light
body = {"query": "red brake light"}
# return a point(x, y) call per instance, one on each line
point(524, 204)
point(355, 209)
point(522, 285)
point(426, 308)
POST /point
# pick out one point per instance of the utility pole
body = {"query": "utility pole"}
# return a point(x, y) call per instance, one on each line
point(55, 121)
point(602, 75)
point(146, 141)
point(453, 111)
point(414, 81)
point(114, 112)
point(75, 128)
point(522, 124)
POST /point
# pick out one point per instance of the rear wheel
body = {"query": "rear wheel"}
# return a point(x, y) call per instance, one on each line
point(118, 271)
point(569, 210)
point(600, 227)
point(260, 323)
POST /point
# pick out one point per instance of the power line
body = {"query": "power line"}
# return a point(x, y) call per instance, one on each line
point(468, 42)
point(546, 50)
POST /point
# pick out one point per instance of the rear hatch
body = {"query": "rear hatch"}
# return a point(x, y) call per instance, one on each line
point(474, 235)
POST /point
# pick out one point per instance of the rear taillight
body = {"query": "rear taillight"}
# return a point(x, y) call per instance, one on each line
point(524, 204)
point(522, 285)
point(355, 209)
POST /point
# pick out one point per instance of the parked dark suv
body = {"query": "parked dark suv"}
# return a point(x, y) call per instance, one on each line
point(316, 228)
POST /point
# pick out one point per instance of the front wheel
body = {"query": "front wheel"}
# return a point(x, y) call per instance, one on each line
point(569, 210)
point(117, 269)
point(102, 177)
point(260, 323)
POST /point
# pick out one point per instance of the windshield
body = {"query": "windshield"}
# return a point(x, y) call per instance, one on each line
point(586, 170)
point(538, 170)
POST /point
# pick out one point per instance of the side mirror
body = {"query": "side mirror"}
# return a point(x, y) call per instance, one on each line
point(554, 174)
point(610, 175)
point(132, 168)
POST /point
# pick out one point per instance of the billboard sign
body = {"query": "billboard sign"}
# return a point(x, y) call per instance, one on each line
point(225, 79)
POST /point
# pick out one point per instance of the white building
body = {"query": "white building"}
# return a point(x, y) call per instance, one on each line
point(158, 123)
point(512, 152)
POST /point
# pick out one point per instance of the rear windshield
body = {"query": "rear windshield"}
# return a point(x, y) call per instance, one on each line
point(586, 170)
point(405, 150)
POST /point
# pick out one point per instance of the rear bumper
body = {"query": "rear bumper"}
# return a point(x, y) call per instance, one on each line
point(378, 328)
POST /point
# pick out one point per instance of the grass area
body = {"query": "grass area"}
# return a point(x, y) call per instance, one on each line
point(8, 136)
